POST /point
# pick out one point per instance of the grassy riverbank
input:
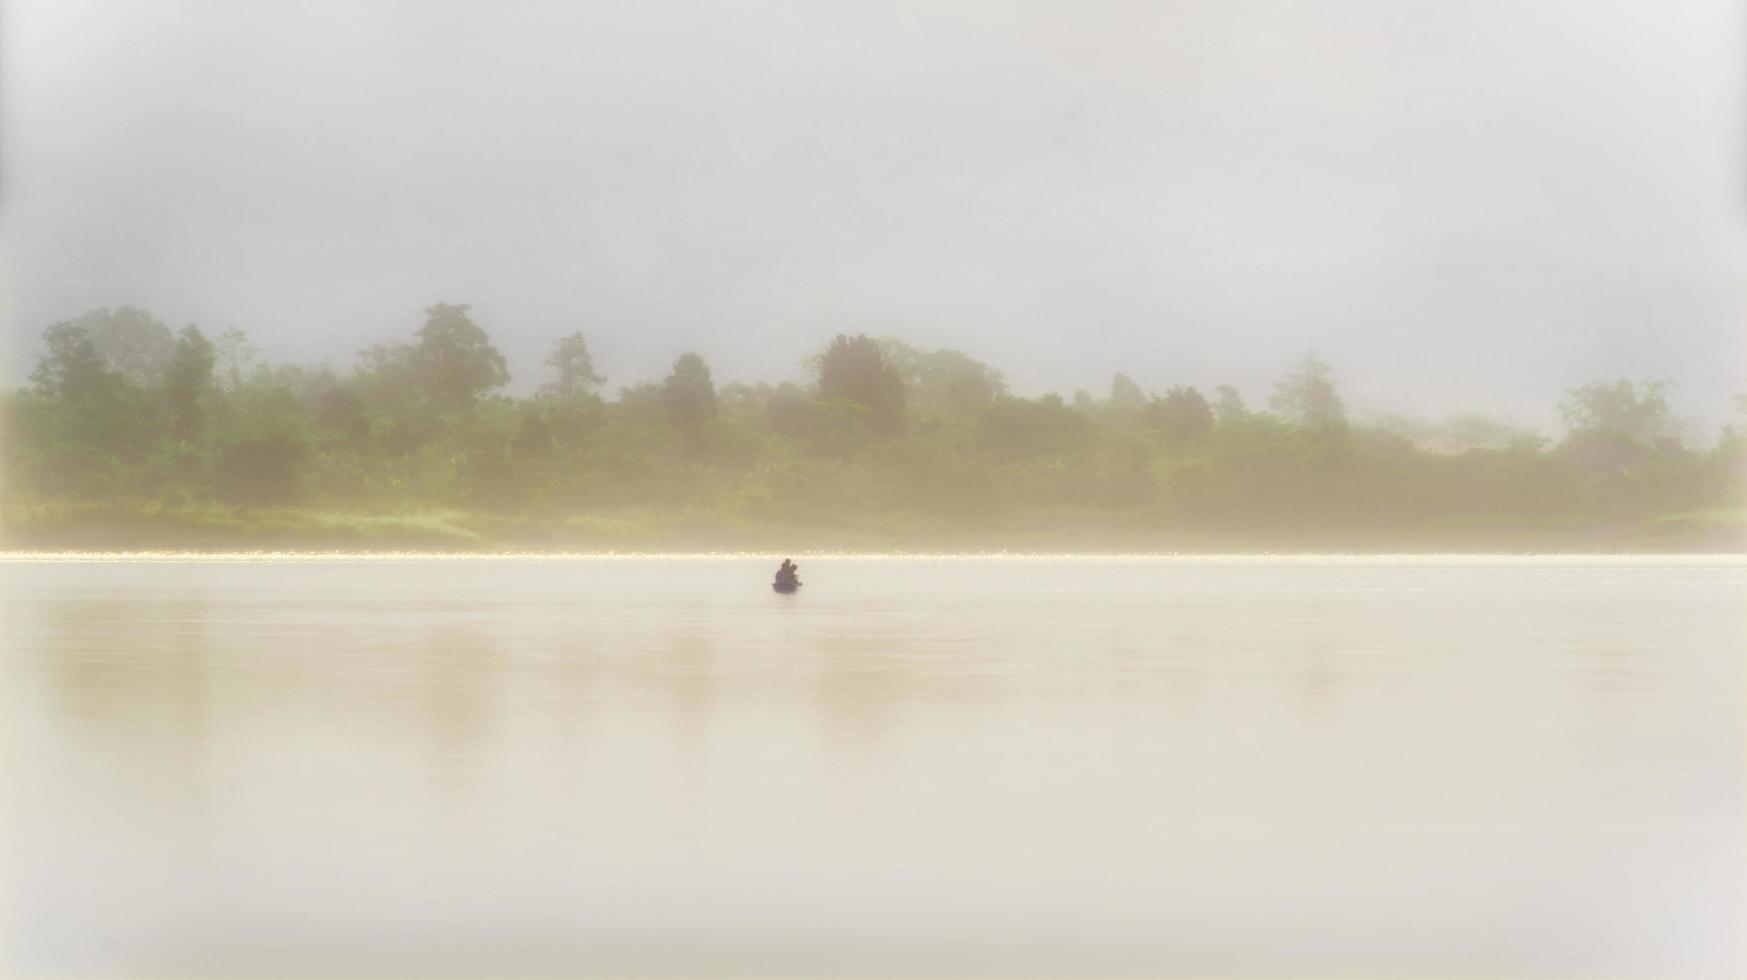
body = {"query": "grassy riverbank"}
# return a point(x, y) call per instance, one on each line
point(124, 527)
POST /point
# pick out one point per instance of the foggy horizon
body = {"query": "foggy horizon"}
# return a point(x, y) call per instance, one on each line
point(1459, 209)
point(1183, 489)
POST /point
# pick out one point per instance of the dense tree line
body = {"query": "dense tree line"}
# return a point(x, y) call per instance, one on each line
point(123, 409)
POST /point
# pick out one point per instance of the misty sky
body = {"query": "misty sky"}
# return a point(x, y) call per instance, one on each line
point(1458, 204)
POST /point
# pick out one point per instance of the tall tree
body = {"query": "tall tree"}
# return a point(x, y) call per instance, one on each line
point(133, 342)
point(942, 380)
point(1230, 407)
point(1183, 415)
point(454, 358)
point(72, 369)
point(1308, 396)
point(1615, 428)
point(573, 370)
point(235, 354)
point(855, 369)
point(689, 394)
point(85, 402)
point(1638, 412)
point(1124, 393)
point(186, 378)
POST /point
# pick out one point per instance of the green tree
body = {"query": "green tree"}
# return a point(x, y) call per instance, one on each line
point(1614, 428)
point(1182, 416)
point(1022, 427)
point(573, 370)
point(854, 368)
point(454, 359)
point(1308, 396)
point(1729, 457)
point(1125, 411)
point(387, 435)
point(339, 409)
point(533, 438)
point(84, 404)
point(132, 342)
point(387, 381)
point(688, 394)
point(840, 426)
point(1124, 393)
point(186, 380)
point(1230, 408)
point(1638, 412)
point(72, 369)
point(945, 381)
point(235, 354)
point(259, 469)
point(788, 411)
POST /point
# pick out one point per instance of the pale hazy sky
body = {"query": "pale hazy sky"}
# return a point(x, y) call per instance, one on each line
point(1459, 204)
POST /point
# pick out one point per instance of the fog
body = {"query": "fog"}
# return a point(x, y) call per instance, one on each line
point(1459, 206)
point(964, 769)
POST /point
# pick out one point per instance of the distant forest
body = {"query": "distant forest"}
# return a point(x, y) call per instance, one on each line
point(133, 435)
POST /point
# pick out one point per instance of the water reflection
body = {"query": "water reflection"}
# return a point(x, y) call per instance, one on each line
point(141, 666)
point(864, 681)
point(1213, 770)
point(457, 676)
point(133, 680)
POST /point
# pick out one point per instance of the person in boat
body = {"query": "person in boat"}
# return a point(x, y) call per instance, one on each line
point(789, 574)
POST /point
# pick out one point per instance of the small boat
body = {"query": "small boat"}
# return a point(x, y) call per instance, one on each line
point(785, 586)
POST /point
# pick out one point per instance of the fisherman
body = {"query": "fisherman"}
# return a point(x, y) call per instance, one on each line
point(788, 574)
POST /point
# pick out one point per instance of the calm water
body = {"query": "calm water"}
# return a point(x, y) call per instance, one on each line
point(1190, 767)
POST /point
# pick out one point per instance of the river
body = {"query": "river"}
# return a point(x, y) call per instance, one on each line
point(1194, 767)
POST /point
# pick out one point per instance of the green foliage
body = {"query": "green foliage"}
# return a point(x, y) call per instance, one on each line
point(941, 382)
point(1020, 427)
point(1623, 451)
point(1124, 393)
point(234, 355)
point(854, 369)
point(340, 410)
point(258, 470)
point(839, 427)
point(891, 437)
point(573, 421)
point(1182, 416)
point(1229, 409)
point(176, 470)
point(186, 380)
point(573, 372)
point(131, 342)
point(79, 401)
point(688, 394)
point(1636, 413)
point(788, 411)
point(533, 439)
point(73, 371)
point(1308, 397)
point(454, 359)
